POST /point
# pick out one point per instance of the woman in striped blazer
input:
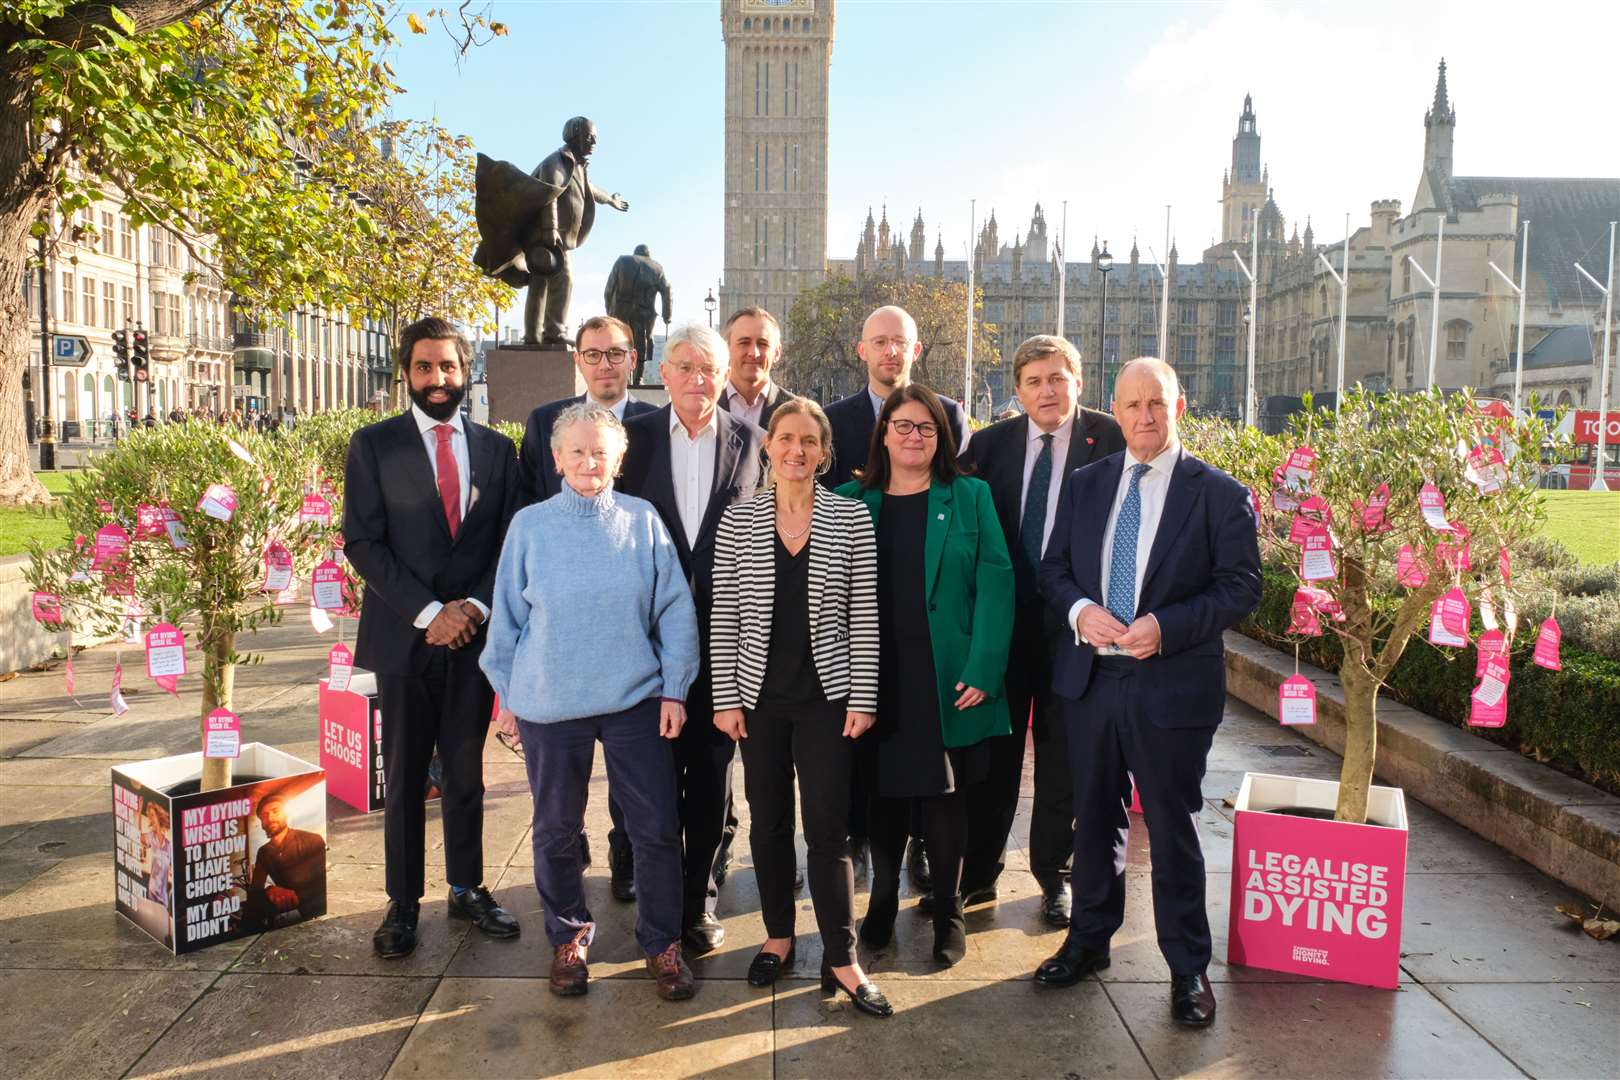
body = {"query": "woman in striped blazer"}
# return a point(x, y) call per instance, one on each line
point(793, 644)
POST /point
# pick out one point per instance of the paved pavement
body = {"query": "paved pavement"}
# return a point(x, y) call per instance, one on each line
point(1494, 982)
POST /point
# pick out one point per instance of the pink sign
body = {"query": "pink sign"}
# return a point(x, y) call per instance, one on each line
point(315, 511)
point(1299, 468)
point(1316, 556)
point(1296, 701)
point(1318, 898)
point(219, 501)
point(116, 697)
point(1299, 527)
point(1455, 556)
point(1487, 707)
point(1547, 642)
point(111, 542)
point(326, 587)
point(1443, 617)
point(165, 651)
point(222, 735)
point(147, 526)
point(1433, 505)
point(1372, 515)
point(47, 609)
point(1302, 617)
point(278, 567)
point(1318, 509)
point(340, 666)
point(1409, 568)
point(1486, 470)
point(170, 519)
point(351, 748)
point(1491, 643)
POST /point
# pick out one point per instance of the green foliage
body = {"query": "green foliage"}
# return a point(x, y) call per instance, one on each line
point(511, 429)
point(323, 438)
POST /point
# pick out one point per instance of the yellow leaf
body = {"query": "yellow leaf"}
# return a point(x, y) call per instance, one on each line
point(415, 24)
point(498, 29)
point(1601, 929)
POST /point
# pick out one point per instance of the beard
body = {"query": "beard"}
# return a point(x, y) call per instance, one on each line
point(439, 410)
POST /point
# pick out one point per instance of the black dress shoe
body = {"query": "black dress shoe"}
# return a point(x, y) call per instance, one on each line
point(1057, 905)
point(477, 906)
point(722, 864)
point(1192, 1000)
point(866, 997)
point(1071, 964)
point(704, 934)
point(622, 874)
point(917, 864)
point(765, 967)
point(985, 894)
point(396, 937)
point(584, 850)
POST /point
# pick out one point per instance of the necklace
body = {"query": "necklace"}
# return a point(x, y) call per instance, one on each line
point(791, 535)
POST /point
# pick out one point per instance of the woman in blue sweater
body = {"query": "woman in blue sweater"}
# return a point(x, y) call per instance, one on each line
point(589, 576)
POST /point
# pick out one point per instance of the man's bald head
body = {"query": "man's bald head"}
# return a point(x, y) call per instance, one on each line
point(888, 346)
point(1147, 404)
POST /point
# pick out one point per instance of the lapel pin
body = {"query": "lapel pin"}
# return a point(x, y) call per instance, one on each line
point(942, 517)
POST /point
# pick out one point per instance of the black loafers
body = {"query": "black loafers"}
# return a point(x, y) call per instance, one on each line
point(1192, 1000)
point(396, 937)
point(478, 907)
point(704, 934)
point(767, 967)
point(922, 877)
point(866, 998)
point(1056, 906)
point(1071, 964)
point(622, 874)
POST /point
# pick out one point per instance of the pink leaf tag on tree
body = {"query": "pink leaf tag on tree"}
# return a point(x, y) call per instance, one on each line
point(47, 609)
point(326, 586)
point(165, 652)
point(147, 526)
point(1316, 556)
point(1433, 505)
point(1299, 468)
point(1491, 643)
point(1547, 642)
point(278, 567)
point(340, 665)
point(1504, 565)
point(1302, 618)
point(1372, 515)
point(111, 542)
point(1445, 616)
point(1296, 701)
point(315, 511)
point(219, 502)
point(1409, 568)
point(222, 735)
point(116, 697)
point(1488, 703)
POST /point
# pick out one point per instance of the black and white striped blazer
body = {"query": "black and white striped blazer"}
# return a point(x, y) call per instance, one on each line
point(842, 600)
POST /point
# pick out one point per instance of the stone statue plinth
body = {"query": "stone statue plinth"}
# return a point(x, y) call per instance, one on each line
point(524, 376)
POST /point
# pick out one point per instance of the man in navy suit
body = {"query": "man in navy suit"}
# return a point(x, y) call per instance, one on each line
point(604, 355)
point(691, 460)
point(754, 340)
point(1153, 557)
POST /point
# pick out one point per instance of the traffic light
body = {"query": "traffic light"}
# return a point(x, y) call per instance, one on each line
point(121, 353)
point(142, 358)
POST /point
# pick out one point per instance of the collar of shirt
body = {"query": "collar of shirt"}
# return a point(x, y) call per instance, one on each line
point(1064, 432)
point(617, 408)
point(877, 402)
point(1163, 463)
point(712, 428)
point(735, 395)
point(425, 423)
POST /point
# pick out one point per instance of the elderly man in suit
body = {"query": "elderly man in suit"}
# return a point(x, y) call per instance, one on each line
point(604, 355)
point(425, 511)
point(1154, 555)
point(691, 460)
point(754, 341)
point(1025, 460)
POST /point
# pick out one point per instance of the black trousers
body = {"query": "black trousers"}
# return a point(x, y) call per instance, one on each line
point(447, 705)
point(944, 831)
point(1110, 733)
point(810, 739)
point(703, 756)
point(993, 803)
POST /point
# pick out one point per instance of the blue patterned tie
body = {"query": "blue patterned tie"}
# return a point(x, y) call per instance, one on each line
point(1122, 564)
point(1040, 483)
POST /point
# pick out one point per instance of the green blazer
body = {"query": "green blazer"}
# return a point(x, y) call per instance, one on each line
point(970, 602)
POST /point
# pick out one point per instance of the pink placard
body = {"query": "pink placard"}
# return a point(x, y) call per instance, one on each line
point(351, 748)
point(1296, 701)
point(1321, 898)
point(165, 651)
point(1409, 568)
point(147, 526)
point(1490, 643)
point(326, 587)
point(1455, 556)
point(1318, 509)
point(1299, 468)
point(1433, 505)
point(47, 609)
point(278, 568)
point(315, 511)
point(1440, 632)
point(170, 519)
point(1372, 515)
point(219, 501)
point(1302, 618)
point(1487, 706)
point(222, 734)
point(1486, 470)
point(1299, 527)
point(1316, 556)
point(1454, 611)
point(1547, 642)
point(111, 542)
point(340, 666)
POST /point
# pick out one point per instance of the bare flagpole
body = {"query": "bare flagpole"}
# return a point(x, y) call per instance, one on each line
point(1521, 288)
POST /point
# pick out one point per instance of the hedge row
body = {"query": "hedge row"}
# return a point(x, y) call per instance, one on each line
point(1569, 719)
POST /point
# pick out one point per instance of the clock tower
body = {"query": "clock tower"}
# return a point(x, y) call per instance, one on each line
point(777, 56)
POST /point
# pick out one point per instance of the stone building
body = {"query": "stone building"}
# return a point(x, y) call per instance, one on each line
point(777, 62)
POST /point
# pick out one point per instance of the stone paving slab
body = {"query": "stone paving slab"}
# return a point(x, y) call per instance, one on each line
point(1548, 1029)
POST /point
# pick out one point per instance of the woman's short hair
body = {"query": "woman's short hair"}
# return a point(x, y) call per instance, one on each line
point(594, 413)
point(945, 468)
point(802, 406)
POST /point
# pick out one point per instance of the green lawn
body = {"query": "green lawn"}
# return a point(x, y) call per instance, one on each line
point(17, 527)
point(1586, 522)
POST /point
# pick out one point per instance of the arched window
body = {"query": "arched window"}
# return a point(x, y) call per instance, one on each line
point(1564, 399)
point(748, 24)
point(805, 25)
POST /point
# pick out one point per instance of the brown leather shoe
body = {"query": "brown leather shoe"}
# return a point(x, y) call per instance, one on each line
point(673, 977)
point(569, 976)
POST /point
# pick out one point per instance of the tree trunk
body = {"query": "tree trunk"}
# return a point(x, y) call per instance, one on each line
point(20, 205)
point(1360, 742)
point(219, 687)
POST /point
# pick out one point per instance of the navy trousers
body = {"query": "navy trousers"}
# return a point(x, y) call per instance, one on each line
point(641, 775)
point(1110, 734)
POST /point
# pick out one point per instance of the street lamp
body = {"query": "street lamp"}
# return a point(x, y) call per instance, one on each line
point(1105, 263)
point(709, 304)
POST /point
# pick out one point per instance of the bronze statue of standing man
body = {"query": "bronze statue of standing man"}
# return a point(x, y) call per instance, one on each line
point(634, 284)
point(537, 220)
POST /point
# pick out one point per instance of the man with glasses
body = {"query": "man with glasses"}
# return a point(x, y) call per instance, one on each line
point(889, 345)
point(604, 356)
point(692, 459)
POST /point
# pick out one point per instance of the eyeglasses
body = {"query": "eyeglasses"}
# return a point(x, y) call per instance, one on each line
point(614, 357)
point(686, 370)
point(927, 429)
point(883, 344)
point(510, 742)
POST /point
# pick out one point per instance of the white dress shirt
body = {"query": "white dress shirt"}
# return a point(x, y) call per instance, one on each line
point(1151, 489)
point(617, 408)
point(458, 449)
point(1060, 454)
point(738, 405)
point(691, 467)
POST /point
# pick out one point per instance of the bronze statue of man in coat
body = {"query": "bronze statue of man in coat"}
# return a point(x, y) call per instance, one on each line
point(528, 224)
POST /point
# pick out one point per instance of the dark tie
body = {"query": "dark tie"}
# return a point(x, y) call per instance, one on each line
point(1040, 483)
point(1122, 568)
point(448, 478)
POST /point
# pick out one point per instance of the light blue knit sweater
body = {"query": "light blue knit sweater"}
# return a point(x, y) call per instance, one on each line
point(592, 614)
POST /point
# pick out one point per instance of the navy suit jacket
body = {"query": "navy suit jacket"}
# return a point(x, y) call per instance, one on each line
point(853, 421)
point(1203, 576)
point(537, 474)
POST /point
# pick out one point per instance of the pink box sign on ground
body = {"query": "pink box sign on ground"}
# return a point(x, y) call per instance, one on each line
point(1312, 896)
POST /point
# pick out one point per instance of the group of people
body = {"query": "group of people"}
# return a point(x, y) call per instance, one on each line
point(862, 599)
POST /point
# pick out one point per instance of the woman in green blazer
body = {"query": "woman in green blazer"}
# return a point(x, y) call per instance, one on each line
point(945, 614)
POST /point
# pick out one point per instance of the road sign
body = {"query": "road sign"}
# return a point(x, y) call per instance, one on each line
point(69, 351)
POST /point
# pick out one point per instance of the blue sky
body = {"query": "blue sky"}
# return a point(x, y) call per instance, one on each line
point(1117, 108)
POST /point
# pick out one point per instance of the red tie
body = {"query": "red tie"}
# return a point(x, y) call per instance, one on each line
point(449, 479)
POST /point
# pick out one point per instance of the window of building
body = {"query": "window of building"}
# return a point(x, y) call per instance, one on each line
point(756, 87)
point(1321, 299)
point(69, 303)
point(1148, 344)
point(1225, 350)
point(1112, 314)
point(106, 232)
point(756, 166)
point(785, 168)
point(1226, 313)
point(1406, 276)
point(109, 305)
point(127, 298)
point(795, 166)
point(756, 243)
point(1111, 348)
point(765, 252)
point(795, 241)
point(88, 286)
point(748, 24)
point(785, 88)
point(126, 239)
point(767, 93)
point(1187, 354)
point(1189, 314)
point(795, 88)
point(804, 24)
point(1456, 341)
point(157, 313)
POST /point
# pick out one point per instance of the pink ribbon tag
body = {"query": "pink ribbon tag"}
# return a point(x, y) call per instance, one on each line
point(48, 609)
point(1409, 568)
point(1299, 527)
point(326, 586)
point(1504, 564)
point(1486, 469)
point(165, 652)
point(111, 542)
point(104, 506)
point(1372, 515)
point(170, 520)
point(340, 662)
point(1321, 600)
point(1547, 642)
point(1318, 509)
point(1316, 556)
point(1299, 468)
point(1445, 615)
point(117, 578)
point(146, 522)
point(278, 568)
point(1491, 643)
point(315, 511)
point(1296, 701)
point(116, 698)
point(222, 735)
point(219, 502)
point(1455, 556)
point(1302, 617)
point(67, 675)
point(1488, 703)
point(1433, 505)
